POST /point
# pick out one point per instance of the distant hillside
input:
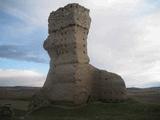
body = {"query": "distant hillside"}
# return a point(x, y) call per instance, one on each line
point(20, 93)
point(151, 95)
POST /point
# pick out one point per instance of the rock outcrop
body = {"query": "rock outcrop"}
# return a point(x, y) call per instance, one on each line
point(71, 78)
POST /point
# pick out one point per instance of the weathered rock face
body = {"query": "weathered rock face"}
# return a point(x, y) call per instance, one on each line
point(71, 78)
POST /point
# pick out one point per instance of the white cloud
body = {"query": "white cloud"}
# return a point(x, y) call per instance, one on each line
point(13, 77)
point(125, 39)
point(15, 73)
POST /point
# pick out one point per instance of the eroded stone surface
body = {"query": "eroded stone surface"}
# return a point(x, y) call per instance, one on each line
point(71, 78)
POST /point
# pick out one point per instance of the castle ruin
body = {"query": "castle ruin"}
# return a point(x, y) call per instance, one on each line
point(71, 78)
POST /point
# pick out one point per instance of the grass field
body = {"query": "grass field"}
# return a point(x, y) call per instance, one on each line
point(145, 95)
point(129, 110)
point(144, 104)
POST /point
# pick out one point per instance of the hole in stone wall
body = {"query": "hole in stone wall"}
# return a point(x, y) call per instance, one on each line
point(57, 53)
point(84, 52)
point(79, 79)
point(84, 45)
point(74, 52)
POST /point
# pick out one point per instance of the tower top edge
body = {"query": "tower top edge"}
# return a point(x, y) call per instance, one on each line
point(70, 6)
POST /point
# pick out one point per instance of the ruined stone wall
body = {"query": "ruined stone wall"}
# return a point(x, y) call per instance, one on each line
point(112, 87)
point(72, 14)
point(71, 78)
point(68, 78)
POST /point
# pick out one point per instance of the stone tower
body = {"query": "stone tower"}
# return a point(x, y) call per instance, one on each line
point(68, 30)
point(71, 78)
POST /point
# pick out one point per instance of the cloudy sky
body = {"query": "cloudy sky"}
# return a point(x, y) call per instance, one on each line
point(124, 38)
